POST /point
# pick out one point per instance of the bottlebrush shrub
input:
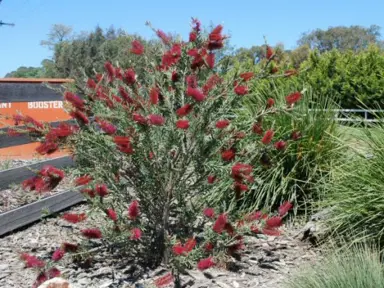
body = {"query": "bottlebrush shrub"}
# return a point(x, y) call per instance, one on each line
point(148, 149)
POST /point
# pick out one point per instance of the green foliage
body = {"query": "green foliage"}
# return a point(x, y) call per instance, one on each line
point(26, 72)
point(360, 267)
point(355, 192)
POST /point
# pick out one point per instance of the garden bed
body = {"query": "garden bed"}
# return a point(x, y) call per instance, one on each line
point(265, 262)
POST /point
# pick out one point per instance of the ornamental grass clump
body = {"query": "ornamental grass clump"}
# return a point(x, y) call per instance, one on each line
point(150, 150)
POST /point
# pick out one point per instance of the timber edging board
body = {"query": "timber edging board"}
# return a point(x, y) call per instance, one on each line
point(19, 174)
point(33, 212)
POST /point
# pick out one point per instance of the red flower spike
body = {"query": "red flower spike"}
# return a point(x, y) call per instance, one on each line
point(210, 60)
point(156, 120)
point(164, 37)
point(221, 124)
point(32, 261)
point(140, 119)
point(267, 137)
point(182, 124)
point(178, 249)
point(280, 145)
point(189, 245)
point(47, 148)
point(240, 169)
point(293, 98)
point(220, 223)
point(41, 278)
point(296, 135)
point(75, 100)
point(208, 247)
point(241, 90)
point(135, 234)
point(211, 179)
point(79, 116)
point(90, 192)
point(137, 47)
point(184, 110)
point(209, 212)
point(257, 215)
point(53, 273)
point(101, 190)
point(125, 95)
point(130, 76)
point(211, 83)
point(274, 222)
point(191, 81)
point(164, 280)
point(206, 263)
point(271, 232)
point(99, 77)
point(112, 214)
point(133, 210)
point(192, 36)
point(69, 247)
point(83, 180)
point(171, 57)
point(255, 229)
point(228, 155)
point(110, 71)
point(107, 127)
point(289, 73)
point(196, 94)
point(239, 188)
point(269, 53)
point(92, 233)
point(74, 218)
point(247, 75)
point(175, 76)
point(270, 102)
point(58, 255)
point(154, 96)
point(284, 208)
point(257, 129)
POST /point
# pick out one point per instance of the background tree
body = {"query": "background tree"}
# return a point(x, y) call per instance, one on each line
point(58, 33)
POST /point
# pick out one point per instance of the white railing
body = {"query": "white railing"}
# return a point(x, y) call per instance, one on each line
point(345, 112)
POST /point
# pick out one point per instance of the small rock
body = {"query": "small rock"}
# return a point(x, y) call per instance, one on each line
point(56, 283)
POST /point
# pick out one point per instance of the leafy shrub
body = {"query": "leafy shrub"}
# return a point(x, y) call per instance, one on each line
point(355, 191)
point(360, 267)
point(149, 148)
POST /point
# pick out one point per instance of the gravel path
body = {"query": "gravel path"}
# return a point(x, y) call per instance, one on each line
point(265, 263)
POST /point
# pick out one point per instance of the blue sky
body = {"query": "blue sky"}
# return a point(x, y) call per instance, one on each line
point(246, 20)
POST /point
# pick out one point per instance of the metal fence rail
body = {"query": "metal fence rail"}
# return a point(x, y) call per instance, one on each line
point(347, 118)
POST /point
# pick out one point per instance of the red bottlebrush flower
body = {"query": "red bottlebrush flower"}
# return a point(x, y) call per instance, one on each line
point(221, 124)
point(280, 145)
point(293, 98)
point(118, 73)
point(58, 254)
point(255, 229)
point(240, 170)
point(41, 278)
point(240, 187)
point(154, 96)
point(156, 120)
point(240, 135)
point(270, 102)
point(123, 144)
point(196, 94)
point(206, 263)
point(92, 233)
point(79, 116)
point(125, 95)
point(271, 232)
point(229, 229)
point(110, 70)
point(91, 84)
point(196, 25)
point(211, 179)
point(267, 137)
point(133, 210)
point(90, 192)
point(151, 155)
point(209, 212)
point(63, 130)
point(210, 60)
point(175, 76)
point(172, 56)
point(220, 223)
point(247, 75)
point(53, 273)
point(164, 280)
point(34, 122)
point(296, 135)
point(32, 261)
point(101, 190)
point(216, 38)
point(69, 247)
point(83, 180)
point(117, 99)
point(228, 155)
point(182, 124)
point(135, 234)
point(74, 218)
point(99, 77)
point(269, 53)
point(274, 69)
point(192, 36)
point(112, 214)
point(288, 73)
point(189, 245)
point(75, 100)
point(257, 129)
point(284, 208)
point(211, 83)
point(130, 76)
point(107, 127)
point(273, 222)
point(191, 81)
point(164, 37)
point(139, 119)
point(241, 90)
point(51, 172)
point(208, 247)
point(257, 215)
point(17, 119)
point(12, 133)
point(47, 148)
point(184, 110)
point(137, 47)
point(178, 249)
